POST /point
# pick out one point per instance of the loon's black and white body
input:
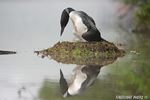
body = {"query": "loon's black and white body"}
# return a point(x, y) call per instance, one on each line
point(83, 78)
point(84, 25)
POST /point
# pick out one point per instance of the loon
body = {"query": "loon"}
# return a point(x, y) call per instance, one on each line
point(84, 25)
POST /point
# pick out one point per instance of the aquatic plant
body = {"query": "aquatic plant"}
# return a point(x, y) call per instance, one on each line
point(142, 15)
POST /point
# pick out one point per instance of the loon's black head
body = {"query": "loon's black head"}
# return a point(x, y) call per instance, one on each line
point(65, 18)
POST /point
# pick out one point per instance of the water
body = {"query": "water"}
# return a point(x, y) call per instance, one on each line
point(34, 25)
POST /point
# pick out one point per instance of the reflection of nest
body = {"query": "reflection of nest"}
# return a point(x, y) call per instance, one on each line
point(84, 53)
point(84, 60)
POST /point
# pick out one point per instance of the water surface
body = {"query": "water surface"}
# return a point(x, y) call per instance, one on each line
point(34, 25)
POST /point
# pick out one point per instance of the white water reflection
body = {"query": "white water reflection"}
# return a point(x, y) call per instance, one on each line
point(26, 70)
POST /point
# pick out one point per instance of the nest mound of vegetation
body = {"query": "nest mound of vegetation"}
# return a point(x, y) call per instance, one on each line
point(83, 53)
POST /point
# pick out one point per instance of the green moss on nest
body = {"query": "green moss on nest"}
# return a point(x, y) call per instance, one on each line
point(83, 52)
point(103, 48)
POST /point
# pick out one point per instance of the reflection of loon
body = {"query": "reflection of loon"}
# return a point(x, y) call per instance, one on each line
point(84, 77)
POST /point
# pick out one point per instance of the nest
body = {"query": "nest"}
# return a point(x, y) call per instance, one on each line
point(84, 53)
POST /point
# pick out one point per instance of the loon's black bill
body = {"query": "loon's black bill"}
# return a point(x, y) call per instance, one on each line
point(64, 20)
point(62, 30)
